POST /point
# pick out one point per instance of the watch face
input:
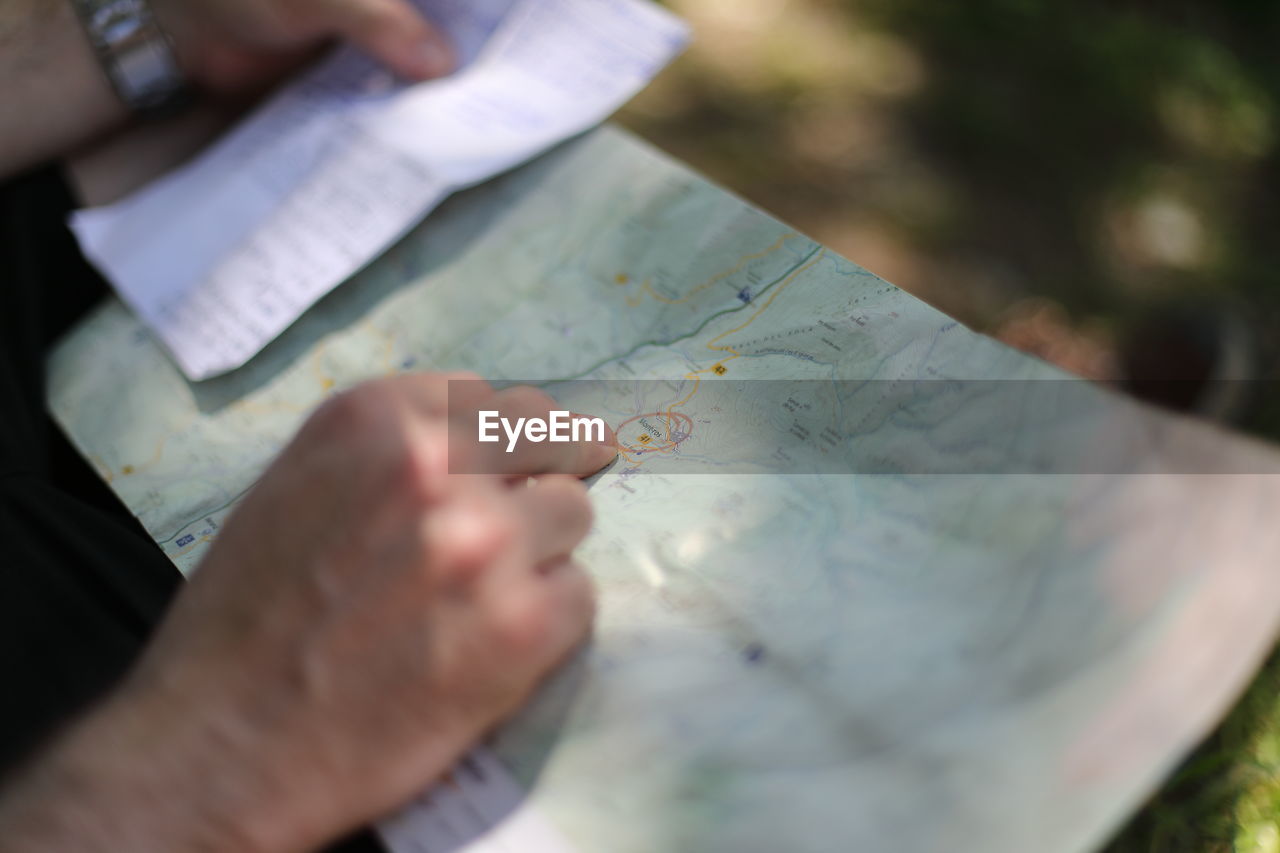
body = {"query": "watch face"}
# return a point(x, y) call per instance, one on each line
point(116, 19)
point(134, 52)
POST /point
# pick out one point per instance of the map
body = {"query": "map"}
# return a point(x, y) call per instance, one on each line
point(868, 580)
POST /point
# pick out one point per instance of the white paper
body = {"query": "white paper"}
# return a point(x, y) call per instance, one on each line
point(479, 808)
point(219, 257)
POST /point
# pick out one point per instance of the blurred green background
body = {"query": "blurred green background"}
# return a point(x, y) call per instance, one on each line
point(1097, 183)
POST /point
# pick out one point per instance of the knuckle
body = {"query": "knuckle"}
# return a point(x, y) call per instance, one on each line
point(454, 568)
point(354, 414)
point(465, 542)
point(464, 394)
point(500, 532)
point(370, 427)
point(525, 625)
point(422, 466)
point(502, 527)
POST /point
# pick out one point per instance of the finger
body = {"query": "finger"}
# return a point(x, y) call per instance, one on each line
point(573, 603)
point(540, 621)
point(593, 449)
point(394, 33)
point(559, 515)
point(600, 452)
point(477, 532)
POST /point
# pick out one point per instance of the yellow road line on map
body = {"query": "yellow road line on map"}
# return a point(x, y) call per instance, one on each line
point(157, 453)
point(712, 345)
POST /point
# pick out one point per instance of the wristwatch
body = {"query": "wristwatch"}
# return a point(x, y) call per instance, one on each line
point(135, 53)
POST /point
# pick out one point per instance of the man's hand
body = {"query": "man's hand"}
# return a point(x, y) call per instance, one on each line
point(363, 618)
point(56, 98)
point(229, 46)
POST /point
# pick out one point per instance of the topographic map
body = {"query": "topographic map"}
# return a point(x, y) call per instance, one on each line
point(859, 588)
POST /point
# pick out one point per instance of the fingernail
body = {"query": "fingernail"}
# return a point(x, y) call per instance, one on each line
point(601, 456)
point(602, 452)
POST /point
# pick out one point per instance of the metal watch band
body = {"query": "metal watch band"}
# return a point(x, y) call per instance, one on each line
point(134, 52)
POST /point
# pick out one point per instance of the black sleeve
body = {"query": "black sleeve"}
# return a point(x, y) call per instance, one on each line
point(81, 584)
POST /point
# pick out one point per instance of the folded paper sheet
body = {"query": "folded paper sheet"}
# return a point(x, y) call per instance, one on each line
point(222, 255)
point(477, 808)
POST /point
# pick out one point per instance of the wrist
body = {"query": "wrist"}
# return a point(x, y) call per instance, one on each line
point(132, 777)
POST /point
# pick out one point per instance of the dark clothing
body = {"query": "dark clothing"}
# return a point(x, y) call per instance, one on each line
point(81, 583)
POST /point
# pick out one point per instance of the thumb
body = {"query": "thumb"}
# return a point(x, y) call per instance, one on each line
point(394, 33)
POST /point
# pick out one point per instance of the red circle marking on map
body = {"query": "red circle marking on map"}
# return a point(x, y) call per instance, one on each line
point(676, 426)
